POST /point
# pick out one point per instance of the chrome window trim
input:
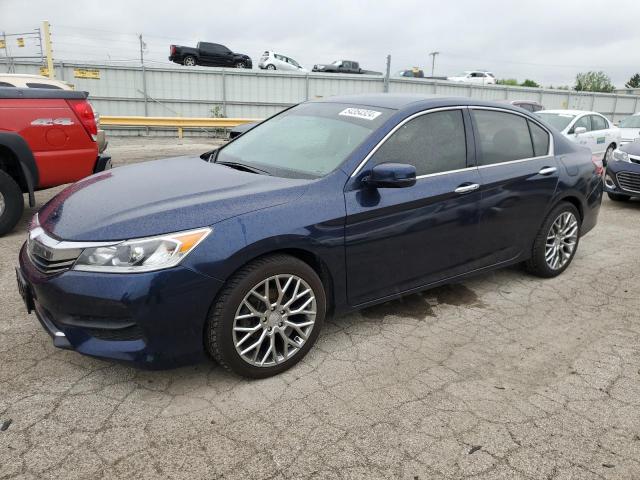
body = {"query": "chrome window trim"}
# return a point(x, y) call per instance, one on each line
point(551, 150)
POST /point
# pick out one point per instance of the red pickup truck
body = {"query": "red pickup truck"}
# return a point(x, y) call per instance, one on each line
point(47, 138)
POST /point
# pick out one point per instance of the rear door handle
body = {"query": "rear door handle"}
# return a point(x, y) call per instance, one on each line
point(547, 171)
point(467, 188)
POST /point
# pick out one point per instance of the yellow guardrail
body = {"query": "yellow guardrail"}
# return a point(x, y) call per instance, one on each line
point(176, 122)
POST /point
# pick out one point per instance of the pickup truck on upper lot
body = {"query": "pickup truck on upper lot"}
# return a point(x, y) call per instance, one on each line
point(208, 54)
point(343, 66)
point(47, 138)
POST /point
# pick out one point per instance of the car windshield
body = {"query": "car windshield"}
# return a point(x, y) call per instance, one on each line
point(337, 63)
point(306, 141)
point(630, 122)
point(557, 120)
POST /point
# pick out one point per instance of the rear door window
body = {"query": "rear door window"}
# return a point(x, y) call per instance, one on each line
point(6, 84)
point(433, 143)
point(502, 137)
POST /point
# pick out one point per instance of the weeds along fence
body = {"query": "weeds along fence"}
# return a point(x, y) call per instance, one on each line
point(214, 92)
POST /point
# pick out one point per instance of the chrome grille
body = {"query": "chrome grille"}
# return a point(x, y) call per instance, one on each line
point(47, 256)
point(629, 181)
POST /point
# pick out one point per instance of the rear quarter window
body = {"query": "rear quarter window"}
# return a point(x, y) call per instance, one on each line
point(540, 139)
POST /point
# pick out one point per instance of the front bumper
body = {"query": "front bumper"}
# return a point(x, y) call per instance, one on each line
point(623, 178)
point(153, 319)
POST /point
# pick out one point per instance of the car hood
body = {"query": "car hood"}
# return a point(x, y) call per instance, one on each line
point(632, 148)
point(161, 196)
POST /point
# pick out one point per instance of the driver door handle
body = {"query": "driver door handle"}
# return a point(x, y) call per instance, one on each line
point(467, 188)
point(547, 171)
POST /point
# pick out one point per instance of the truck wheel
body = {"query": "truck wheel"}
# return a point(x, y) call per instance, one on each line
point(11, 203)
point(189, 61)
point(271, 67)
point(241, 65)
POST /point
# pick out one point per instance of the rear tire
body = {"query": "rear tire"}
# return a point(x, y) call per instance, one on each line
point(11, 203)
point(617, 197)
point(256, 303)
point(189, 61)
point(556, 241)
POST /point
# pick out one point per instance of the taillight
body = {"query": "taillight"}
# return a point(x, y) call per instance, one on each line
point(172, 49)
point(84, 112)
point(599, 167)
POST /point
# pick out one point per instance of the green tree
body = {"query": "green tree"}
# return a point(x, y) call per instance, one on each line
point(529, 83)
point(634, 81)
point(508, 81)
point(593, 82)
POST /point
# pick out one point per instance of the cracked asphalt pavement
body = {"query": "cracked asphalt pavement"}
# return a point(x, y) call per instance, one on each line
point(504, 376)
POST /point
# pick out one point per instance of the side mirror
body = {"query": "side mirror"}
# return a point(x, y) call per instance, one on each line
point(391, 175)
point(579, 130)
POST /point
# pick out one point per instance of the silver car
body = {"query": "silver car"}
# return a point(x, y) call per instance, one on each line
point(275, 61)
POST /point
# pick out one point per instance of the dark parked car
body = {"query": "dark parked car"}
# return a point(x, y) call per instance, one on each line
point(325, 208)
point(622, 180)
point(208, 54)
point(342, 66)
point(529, 105)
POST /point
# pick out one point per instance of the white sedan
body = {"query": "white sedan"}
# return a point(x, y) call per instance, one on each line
point(477, 77)
point(630, 128)
point(589, 129)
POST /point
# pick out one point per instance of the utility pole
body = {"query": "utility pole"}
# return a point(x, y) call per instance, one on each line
point(48, 48)
point(388, 73)
point(144, 80)
point(433, 61)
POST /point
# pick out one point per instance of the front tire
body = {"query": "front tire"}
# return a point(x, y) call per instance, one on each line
point(556, 243)
point(11, 203)
point(271, 67)
point(241, 65)
point(267, 317)
point(189, 61)
point(616, 197)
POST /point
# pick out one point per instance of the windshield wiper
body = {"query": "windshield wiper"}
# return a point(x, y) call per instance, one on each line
point(242, 166)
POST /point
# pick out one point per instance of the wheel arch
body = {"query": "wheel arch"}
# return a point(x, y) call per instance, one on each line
point(18, 161)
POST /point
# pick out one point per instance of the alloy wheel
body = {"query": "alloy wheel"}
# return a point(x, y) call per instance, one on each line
point(561, 240)
point(3, 205)
point(274, 320)
point(189, 62)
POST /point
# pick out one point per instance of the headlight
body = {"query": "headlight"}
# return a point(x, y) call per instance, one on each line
point(141, 255)
point(620, 156)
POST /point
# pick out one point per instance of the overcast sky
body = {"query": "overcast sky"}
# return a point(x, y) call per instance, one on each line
point(547, 41)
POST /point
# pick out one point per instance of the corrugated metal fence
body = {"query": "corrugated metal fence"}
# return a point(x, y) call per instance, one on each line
point(206, 92)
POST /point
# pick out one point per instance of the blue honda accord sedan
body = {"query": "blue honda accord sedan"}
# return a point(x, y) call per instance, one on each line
point(327, 207)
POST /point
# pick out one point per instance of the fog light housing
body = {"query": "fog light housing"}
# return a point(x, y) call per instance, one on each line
point(608, 181)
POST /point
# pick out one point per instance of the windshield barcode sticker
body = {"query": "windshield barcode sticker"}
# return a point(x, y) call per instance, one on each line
point(360, 113)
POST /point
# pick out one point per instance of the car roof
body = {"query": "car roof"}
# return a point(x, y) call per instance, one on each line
point(400, 101)
point(570, 112)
